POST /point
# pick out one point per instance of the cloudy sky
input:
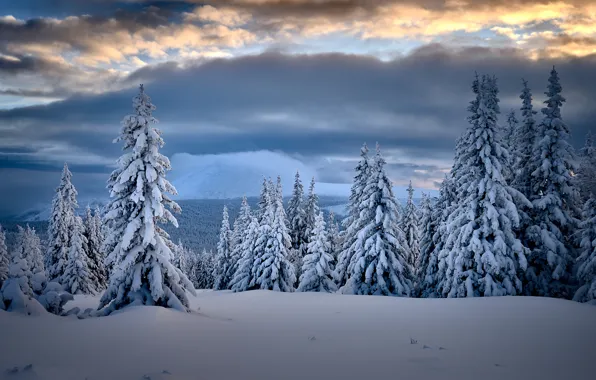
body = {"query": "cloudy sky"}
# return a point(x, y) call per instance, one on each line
point(313, 79)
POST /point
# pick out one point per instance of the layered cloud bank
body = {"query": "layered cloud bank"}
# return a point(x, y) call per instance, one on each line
point(313, 79)
point(92, 46)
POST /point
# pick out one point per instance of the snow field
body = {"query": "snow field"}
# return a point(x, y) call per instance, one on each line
point(269, 335)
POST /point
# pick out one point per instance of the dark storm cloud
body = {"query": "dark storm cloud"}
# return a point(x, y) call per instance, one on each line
point(71, 31)
point(311, 106)
point(26, 64)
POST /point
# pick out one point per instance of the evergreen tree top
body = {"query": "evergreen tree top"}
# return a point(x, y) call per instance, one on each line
point(526, 97)
point(66, 187)
point(142, 103)
point(588, 148)
point(298, 191)
point(364, 150)
point(512, 118)
point(555, 99)
point(410, 192)
point(311, 189)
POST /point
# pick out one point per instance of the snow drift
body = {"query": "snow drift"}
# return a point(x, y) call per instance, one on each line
point(266, 335)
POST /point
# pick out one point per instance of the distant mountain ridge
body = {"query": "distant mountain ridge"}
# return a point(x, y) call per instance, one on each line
point(229, 176)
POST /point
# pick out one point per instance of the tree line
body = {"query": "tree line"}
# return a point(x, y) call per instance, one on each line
point(515, 216)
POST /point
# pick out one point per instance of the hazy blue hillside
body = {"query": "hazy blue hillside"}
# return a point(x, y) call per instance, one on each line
point(199, 221)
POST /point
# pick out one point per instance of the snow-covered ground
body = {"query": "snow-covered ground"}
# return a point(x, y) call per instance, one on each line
point(266, 335)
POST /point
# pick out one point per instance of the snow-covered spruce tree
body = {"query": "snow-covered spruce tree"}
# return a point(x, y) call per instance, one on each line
point(352, 223)
point(180, 258)
point(224, 254)
point(554, 198)
point(457, 170)
point(264, 217)
point(436, 271)
point(509, 130)
point(485, 258)
point(20, 248)
point(239, 233)
point(30, 247)
point(26, 289)
point(92, 234)
point(143, 273)
point(317, 275)
point(427, 226)
point(586, 273)
point(432, 272)
point(78, 277)
point(297, 224)
point(523, 144)
point(16, 294)
point(263, 199)
point(586, 174)
point(203, 266)
point(334, 239)
point(297, 214)
point(273, 270)
point(243, 277)
point(410, 228)
point(60, 226)
point(4, 259)
point(379, 264)
point(311, 210)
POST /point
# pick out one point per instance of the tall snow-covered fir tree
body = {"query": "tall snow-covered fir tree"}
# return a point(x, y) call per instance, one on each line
point(484, 256)
point(586, 174)
point(239, 233)
point(224, 254)
point(353, 223)
point(523, 144)
point(202, 268)
point(273, 270)
point(509, 131)
point(334, 238)
point(31, 250)
point(296, 214)
point(21, 250)
point(311, 210)
point(16, 293)
point(317, 275)
point(554, 200)
point(586, 272)
point(427, 226)
point(60, 226)
point(379, 263)
point(181, 258)
point(4, 257)
point(143, 273)
point(264, 216)
point(93, 238)
point(465, 140)
point(26, 289)
point(264, 197)
point(78, 277)
point(410, 225)
point(243, 277)
point(297, 224)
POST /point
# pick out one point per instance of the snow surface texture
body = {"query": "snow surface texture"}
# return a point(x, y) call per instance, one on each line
point(269, 335)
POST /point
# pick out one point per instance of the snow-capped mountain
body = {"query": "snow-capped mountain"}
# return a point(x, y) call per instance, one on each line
point(233, 175)
point(229, 176)
point(42, 212)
